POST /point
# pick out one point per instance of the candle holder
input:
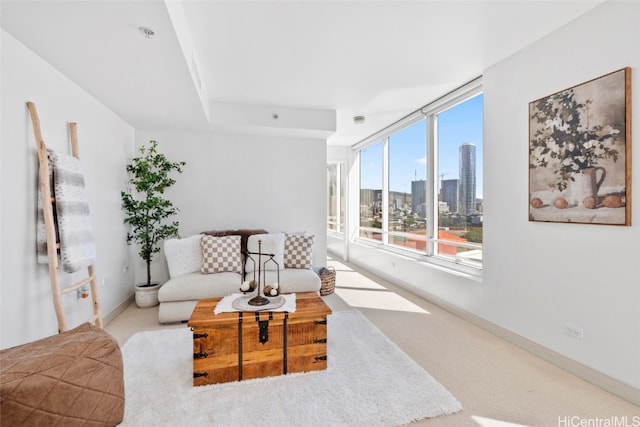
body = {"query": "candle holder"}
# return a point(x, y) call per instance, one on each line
point(260, 299)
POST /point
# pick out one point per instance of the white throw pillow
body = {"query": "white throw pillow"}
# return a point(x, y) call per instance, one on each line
point(183, 256)
point(271, 244)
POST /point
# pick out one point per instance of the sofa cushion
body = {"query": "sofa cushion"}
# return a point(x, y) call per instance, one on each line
point(183, 255)
point(294, 280)
point(178, 296)
point(221, 254)
point(298, 251)
point(195, 286)
point(176, 311)
point(271, 244)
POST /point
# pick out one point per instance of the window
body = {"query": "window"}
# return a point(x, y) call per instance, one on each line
point(336, 197)
point(407, 187)
point(426, 171)
point(459, 141)
point(371, 192)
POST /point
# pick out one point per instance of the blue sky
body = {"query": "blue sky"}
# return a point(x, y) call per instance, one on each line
point(407, 152)
point(460, 124)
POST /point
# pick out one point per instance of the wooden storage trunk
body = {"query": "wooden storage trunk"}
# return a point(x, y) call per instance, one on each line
point(243, 345)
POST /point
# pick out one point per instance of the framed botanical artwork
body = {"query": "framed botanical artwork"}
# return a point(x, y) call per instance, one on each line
point(580, 153)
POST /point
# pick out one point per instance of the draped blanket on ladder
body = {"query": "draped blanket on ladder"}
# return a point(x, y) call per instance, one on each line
point(71, 215)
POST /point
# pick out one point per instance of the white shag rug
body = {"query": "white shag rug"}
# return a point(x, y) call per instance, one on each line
point(369, 381)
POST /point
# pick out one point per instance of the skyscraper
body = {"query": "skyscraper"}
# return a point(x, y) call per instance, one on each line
point(449, 194)
point(467, 204)
point(418, 195)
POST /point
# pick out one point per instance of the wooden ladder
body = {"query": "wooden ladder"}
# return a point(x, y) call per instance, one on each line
point(52, 244)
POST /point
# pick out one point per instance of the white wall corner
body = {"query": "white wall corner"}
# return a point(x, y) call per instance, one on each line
point(180, 24)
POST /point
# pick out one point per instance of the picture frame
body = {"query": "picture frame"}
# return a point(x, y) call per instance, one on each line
point(580, 153)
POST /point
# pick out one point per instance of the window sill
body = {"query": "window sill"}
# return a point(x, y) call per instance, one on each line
point(450, 267)
point(335, 234)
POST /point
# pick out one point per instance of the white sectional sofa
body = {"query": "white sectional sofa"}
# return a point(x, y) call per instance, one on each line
point(215, 263)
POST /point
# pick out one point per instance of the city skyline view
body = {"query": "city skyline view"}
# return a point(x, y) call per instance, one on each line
point(396, 212)
point(407, 158)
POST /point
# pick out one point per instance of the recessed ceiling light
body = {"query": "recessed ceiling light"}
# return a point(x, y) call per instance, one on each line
point(148, 32)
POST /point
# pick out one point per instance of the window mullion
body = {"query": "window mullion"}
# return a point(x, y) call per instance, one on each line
point(385, 191)
point(432, 184)
point(339, 224)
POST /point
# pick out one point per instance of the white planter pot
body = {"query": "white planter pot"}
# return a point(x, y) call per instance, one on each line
point(147, 296)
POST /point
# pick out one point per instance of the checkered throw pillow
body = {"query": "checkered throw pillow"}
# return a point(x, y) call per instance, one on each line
point(297, 251)
point(221, 254)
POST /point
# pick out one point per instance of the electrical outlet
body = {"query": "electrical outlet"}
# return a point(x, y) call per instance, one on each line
point(125, 268)
point(573, 331)
point(83, 292)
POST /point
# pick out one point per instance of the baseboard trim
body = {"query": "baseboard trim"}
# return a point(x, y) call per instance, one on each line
point(116, 311)
point(605, 382)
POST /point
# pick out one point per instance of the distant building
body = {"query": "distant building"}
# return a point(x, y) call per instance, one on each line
point(449, 194)
point(370, 202)
point(422, 211)
point(443, 248)
point(399, 200)
point(467, 187)
point(418, 195)
point(367, 197)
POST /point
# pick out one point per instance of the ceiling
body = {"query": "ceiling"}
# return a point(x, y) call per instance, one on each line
point(231, 66)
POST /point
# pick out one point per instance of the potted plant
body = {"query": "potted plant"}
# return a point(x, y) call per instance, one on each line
point(147, 211)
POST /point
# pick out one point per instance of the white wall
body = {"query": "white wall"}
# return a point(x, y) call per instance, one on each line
point(584, 275)
point(235, 181)
point(230, 181)
point(106, 142)
point(539, 276)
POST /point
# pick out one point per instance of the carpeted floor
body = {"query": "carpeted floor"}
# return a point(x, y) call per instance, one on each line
point(497, 383)
point(368, 381)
